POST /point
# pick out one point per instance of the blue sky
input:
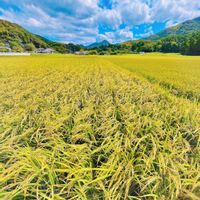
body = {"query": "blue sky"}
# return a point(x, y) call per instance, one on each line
point(87, 21)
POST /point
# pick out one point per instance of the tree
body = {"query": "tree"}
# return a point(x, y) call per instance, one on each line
point(16, 47)
point(134, 47)
point(194, 44)
point(191, 44)
point(93, 52)
point(29, 47)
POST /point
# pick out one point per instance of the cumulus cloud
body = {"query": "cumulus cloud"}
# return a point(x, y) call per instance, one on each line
point(147, 32)
point(109, 18)
point(163, 10)
point(86, 21)
point(34, 22)
point(170, 23)
point(117, 36)
point(133, 12)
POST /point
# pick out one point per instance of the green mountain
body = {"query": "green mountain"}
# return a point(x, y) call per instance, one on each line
point(184, 28)
point(98, 44)
point(15, 38)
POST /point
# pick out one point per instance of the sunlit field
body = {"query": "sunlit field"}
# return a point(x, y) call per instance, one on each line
point(100, 127)
point(179, 74)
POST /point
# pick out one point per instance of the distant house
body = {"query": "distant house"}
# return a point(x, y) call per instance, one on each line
point(81, 53)
point(45, 50)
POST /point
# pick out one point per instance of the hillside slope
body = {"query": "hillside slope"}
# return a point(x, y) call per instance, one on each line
point(184, 28)
point(18, 39)
point(98, 44)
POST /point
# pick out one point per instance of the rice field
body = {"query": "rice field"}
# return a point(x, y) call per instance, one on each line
point(179, 74)
point(95, 128)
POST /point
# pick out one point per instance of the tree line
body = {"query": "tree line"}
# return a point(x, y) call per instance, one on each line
point(187, 45)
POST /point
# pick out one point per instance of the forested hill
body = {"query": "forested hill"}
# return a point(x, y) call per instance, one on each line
point(18, 39)
point(183, 38)
point(98, 44)
point(184, 28)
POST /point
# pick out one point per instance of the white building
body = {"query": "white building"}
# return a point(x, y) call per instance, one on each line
point(45, 50)
point(81, 53)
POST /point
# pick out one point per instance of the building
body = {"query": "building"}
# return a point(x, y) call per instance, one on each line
point(81, 53)
point(45, 50)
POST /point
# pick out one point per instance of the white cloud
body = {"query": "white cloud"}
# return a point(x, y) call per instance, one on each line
point(133, 12)
point(117, 36)
point(34, 22)
point(170, 23)
point(175, 10)
point(110, 18)
point(147, 32)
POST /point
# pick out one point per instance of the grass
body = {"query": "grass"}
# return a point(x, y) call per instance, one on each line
point(86, 128)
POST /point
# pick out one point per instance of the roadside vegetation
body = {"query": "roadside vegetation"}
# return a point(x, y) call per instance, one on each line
point(87, 128)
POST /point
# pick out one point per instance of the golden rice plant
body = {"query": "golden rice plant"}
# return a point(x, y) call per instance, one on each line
point(84, 128)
